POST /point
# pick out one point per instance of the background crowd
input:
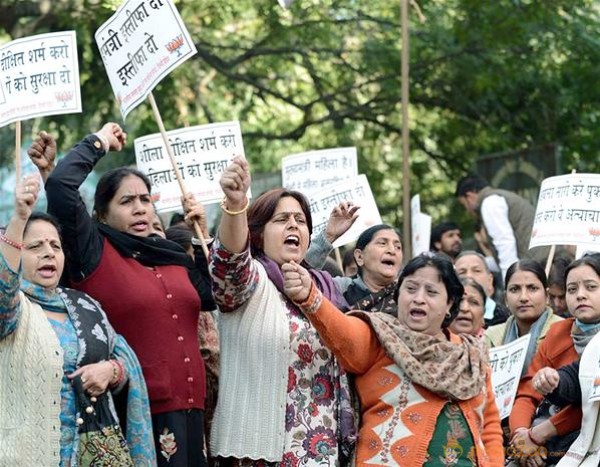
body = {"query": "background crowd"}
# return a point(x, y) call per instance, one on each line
point(112, 354)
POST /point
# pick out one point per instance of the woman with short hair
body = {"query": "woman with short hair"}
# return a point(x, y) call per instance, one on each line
point(283, 398)
point(426, 395)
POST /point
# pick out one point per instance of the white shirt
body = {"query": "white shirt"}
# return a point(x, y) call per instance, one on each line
point(494, 212)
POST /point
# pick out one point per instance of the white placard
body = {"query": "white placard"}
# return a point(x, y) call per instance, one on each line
point(420, 227)
point(140, 44)
point(201, 152)
point(507, 363)
point(568, 211)
point(39, 75)
point(421, 233)
point(311, 171)
point(355, 189)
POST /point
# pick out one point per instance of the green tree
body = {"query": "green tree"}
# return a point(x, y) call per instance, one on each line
point(485, 77)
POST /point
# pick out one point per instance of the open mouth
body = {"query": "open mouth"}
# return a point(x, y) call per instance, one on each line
point(292, 240)
point(417, 313)
point(463, 319)
point(140, 226)
point(47, 270)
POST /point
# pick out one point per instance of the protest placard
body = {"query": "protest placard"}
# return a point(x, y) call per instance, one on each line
point(39, 75)
point(420, 226)
point(201, 152)
point(568, 211)
point(140, 44)
point(314, 170)
point(355, 189)
point(506, 363)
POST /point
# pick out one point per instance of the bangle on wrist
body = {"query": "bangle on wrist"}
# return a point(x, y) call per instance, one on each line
point(533, 438)
point(234, 213)
point(9, 242)
point(312, 302)
point(118, 373)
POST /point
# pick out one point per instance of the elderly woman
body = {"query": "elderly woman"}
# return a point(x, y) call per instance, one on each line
point(283, 399)
point(470, 311)
point(378, 255)
point(563, 345)
point(56, 343)
point(425, 393)
point(142, 282)
point(473, 265)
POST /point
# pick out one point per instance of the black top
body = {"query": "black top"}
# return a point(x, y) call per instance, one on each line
point(569, 389)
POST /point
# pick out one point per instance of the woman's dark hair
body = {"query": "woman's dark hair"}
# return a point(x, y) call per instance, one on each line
point(453, 285)
point(467, 281)
point(42, 216)
point(528, 265)
point(365, 238)
point(590, 259)
point(262, 210)
point(108, 185)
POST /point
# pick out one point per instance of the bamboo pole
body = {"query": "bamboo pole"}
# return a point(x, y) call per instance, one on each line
point(165, 138)
point(18, 151)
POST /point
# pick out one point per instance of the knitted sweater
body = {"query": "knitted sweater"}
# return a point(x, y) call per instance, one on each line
point(249, 419)
point(398, 416)
point(555, 350)
point(31, 361)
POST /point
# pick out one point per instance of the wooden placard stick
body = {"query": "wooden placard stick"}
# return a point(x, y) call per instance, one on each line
point(163, 133)
point(18, 151)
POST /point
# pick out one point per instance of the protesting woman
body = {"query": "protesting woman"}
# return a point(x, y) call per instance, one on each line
point(470, 311)
point(283, 399)
point(59, 358)
point(425, 394)
point(563, 345)
point(378, 255)
point(142, 282)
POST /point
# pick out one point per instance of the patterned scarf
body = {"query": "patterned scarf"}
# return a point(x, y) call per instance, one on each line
point(347, 416)
point(582, 334)
point(48, 299)
point(450, 369)
point(382, 301)
point(97, 340)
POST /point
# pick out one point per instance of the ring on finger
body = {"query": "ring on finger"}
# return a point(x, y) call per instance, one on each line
point(83, 380)
point(26, 188)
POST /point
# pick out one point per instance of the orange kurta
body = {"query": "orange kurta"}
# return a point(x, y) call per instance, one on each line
point(399, 417)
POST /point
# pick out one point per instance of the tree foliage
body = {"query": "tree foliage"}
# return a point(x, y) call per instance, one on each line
point(485, 77)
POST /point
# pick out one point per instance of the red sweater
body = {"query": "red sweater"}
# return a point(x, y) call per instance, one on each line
point(156, 310)
point(555, 350)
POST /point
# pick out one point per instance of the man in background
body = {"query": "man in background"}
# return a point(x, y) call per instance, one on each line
point(506, 216)
point(446, 238)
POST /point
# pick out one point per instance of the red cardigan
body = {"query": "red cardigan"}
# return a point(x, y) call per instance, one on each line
point(555, 350)
point(156, 310)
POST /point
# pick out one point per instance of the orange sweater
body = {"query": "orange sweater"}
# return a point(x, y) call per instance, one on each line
point(399, 417)
point(555, 350)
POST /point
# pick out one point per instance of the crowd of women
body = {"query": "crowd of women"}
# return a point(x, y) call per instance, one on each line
point(109, 355)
